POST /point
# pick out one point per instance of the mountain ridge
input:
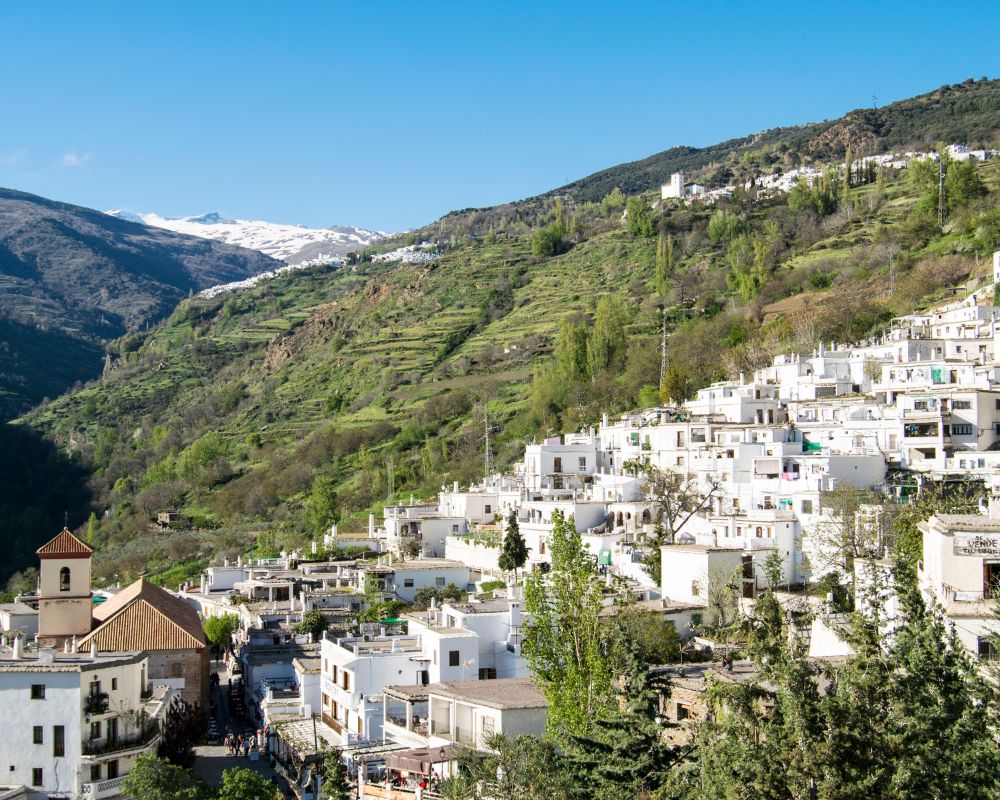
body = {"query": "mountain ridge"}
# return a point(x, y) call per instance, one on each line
point(290, 243)
point(92, 278)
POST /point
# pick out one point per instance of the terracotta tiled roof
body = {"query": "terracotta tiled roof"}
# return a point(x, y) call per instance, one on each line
point(145, 617)
point(65, 544)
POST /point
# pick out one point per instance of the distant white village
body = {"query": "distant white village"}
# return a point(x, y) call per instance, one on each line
point(85, 676)
point(677, 188)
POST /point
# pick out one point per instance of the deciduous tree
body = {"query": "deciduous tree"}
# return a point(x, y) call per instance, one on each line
point(569, 649)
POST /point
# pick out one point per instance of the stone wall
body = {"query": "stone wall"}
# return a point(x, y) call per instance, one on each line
point(190, 666)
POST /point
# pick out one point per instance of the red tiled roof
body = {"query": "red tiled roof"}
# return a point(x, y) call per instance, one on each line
point(65, 544)
point(145, 617)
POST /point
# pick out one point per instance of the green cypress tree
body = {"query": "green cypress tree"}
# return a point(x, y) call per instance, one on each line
point(513, 551)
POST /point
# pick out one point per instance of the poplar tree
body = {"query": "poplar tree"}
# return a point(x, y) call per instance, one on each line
point(569, 649)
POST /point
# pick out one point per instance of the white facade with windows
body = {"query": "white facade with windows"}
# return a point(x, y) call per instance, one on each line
point(75, 723)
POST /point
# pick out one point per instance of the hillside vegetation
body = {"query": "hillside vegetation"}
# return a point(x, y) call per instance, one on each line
point(968, 113)
point(268, 414)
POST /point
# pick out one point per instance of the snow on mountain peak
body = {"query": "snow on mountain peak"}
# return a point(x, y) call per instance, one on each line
point(292, 244)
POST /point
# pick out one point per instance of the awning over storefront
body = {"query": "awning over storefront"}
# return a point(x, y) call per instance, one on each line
point(420, 759)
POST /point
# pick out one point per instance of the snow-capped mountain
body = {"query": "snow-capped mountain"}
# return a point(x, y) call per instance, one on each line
point(293, 244)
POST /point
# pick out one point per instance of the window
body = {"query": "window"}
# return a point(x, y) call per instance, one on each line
point(683, 712)
point(38, 691)
point(960, 405)
point(488, 509)
point(95, 730)
point(696, 619)
point(112, 732)
point(95, 688)
point(346, 680)
point(998, 405)
point(407, 583)
point(557, 462)
point(112, 769)
point(453, 656)
point(807, 506)
point(36, 776)
point(95, 772)
point(961, 430)
point(114, 684)
point(36, 735)
point(695, 588)
point(439, 582)
point(64, 579)
point(582, 462)
point(488, 674)
point(58, 741)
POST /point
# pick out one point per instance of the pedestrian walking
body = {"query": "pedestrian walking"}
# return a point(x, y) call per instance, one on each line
point(246, 747)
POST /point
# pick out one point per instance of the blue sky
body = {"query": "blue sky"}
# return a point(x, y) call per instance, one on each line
point(388, 115)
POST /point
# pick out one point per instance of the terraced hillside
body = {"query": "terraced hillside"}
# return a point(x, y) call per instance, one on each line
point(266, 415)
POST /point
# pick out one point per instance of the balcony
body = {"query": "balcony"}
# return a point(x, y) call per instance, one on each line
point(96, 703)
point(98, 790)
point(146, 736)
point(330, 722)
point(920, 430)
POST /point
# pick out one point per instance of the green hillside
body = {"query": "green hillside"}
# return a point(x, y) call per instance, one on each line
point(968, 113)
point(267, 414)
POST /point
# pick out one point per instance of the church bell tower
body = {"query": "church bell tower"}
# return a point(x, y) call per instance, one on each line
point(64, 596)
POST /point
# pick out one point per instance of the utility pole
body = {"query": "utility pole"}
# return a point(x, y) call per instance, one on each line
point(663, 344)
point(942, 198)
point(488, 450)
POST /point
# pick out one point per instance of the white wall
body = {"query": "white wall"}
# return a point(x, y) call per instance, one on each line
point(62, 706)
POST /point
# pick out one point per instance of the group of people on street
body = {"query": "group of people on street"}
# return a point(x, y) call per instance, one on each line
point(239, 745)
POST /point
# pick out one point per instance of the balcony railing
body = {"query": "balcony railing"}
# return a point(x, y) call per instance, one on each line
point(96, 703)
point(101, 789)
point(140, 739)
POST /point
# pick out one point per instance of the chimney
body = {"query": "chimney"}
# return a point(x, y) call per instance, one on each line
point(72, 645)
point(93, 648)
point(204, 584)
point(66, 646)
point(454, 487)
point(18, 649)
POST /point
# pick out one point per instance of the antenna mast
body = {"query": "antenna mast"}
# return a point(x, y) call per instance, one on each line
point(488, 450)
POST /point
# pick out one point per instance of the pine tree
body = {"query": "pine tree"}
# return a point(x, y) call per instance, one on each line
point(336, 785)
point(513, 551)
